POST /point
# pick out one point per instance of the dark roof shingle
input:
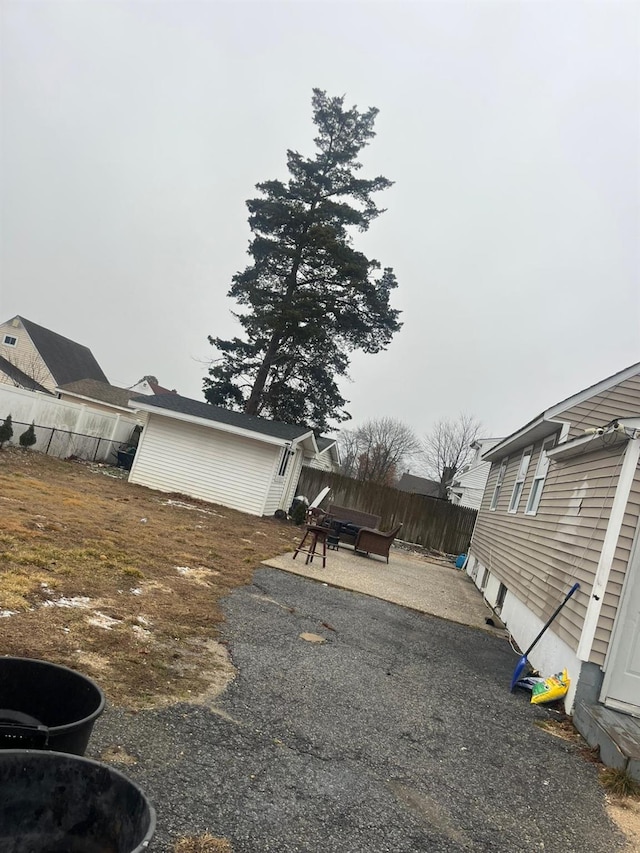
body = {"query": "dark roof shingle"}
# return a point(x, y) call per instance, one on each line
point(198, 409)
point(419, 486)
point(67, 360)
point(101, 391)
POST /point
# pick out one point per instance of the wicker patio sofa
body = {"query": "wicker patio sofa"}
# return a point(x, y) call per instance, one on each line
point(352, 516)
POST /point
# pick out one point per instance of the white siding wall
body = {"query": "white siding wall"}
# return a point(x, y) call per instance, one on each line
point(282, 489)
point(322, 462)
point(472, 484)
point(205, 463)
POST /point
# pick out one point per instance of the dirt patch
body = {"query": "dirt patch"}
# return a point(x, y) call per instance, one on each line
point(625, 813)
point(564, 729)
point(116, 754)
point(121, 582)
point(202, 844)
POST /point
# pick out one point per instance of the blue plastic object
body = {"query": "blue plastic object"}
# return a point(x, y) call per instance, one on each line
point(461, 561)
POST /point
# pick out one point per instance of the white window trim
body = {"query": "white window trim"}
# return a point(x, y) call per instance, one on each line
point(283, 463)
point(540, 476)
point(8, 343)
point(498, 487)
point(523, 467)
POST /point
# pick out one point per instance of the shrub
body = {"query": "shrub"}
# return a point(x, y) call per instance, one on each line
point(28, 437)
point(6, 431)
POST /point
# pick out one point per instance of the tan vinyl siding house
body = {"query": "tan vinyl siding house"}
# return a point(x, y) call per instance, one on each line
point(17, 347)
point(228, 458)
point(578, 523)
point(43, 356)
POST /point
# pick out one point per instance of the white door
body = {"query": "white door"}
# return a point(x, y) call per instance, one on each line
point(621, 687)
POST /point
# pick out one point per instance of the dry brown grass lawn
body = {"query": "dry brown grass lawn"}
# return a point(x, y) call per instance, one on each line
point(118, 581)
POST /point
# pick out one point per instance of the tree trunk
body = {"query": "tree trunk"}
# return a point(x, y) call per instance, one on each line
point(252, 405)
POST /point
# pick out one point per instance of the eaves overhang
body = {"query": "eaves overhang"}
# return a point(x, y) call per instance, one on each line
point(221, 427)
point(535, 431)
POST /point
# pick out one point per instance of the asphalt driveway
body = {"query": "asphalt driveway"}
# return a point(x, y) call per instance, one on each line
point(397, 733)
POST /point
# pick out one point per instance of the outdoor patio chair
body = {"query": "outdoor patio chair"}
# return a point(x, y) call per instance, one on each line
point(370, 541)
point(314, 535)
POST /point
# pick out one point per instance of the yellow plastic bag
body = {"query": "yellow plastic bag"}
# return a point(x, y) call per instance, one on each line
point(552, 688)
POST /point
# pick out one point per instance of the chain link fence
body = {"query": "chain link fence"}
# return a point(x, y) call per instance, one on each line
point(65, 444)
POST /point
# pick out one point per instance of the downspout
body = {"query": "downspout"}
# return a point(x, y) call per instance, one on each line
point(603, 570)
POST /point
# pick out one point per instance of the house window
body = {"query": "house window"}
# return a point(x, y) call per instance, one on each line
point(499, 481)
point(538, 481)
point(10, 341)
point(502, 594)
point(287, 453)
point(522, 474)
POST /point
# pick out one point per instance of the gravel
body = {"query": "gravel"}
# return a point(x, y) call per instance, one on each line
point(397, 733)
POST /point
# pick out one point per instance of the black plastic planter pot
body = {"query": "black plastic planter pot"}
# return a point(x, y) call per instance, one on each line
point(46, 706)
point(51, 802)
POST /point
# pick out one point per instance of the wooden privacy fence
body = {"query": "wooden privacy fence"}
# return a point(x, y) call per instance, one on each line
point(433, 523)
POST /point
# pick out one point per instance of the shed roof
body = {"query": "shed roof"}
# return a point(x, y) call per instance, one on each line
point(175, 404)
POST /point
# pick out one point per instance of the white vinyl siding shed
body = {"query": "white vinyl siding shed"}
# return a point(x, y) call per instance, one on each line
point(229, 458)
point(215, 466)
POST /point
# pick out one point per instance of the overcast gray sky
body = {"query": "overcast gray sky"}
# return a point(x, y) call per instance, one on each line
point(133, 133)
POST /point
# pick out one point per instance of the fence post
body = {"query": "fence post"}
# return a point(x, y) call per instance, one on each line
point(50, 440)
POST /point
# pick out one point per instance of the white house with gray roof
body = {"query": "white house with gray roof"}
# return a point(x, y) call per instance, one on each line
point(240, 461)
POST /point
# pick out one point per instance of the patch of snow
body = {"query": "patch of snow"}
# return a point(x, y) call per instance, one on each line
point(136, 591)
point(143, 620)
point(183, 505)
point(4, 614)
point(76, 601)
point(183, 570)
point(101, 620)
point(141, 632)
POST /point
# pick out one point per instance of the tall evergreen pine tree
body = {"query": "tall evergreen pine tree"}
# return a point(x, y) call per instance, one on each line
point(309, 298)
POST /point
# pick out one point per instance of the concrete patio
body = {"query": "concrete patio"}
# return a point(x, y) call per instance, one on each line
point(410, 579)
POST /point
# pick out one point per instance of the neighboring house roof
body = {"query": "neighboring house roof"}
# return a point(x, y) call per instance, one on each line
point(324, 443)
point(22, 380)
point(539, 427)
point(185, 406)
point(419, 486)
point(92, 389)
point(151, 383)
point(158, 389)
point(66, 359)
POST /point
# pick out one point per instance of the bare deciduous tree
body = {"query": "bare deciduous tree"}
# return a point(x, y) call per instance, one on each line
point(31, 365)
point(447, 448)
point(378, 450)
